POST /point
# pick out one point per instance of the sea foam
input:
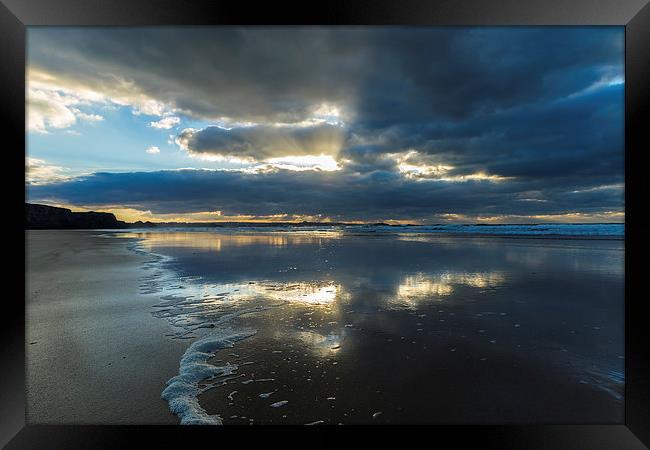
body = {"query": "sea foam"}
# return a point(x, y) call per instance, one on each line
point(182, 391)
point(194, 315)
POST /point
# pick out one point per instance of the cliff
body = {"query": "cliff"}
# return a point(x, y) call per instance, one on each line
point(49, 217)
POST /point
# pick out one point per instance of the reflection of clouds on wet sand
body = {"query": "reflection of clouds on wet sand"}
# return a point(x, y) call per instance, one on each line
point(342, 303)
point(478, 280)
point(192, 301)
point(603, 257)
point(314, 293)
point(199, 310)
point(322, 344)
point(421, 287)
point(418, 286)
point(189, 304)
point(218, 241)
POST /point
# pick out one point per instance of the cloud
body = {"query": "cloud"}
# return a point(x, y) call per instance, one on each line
point(341, 195)
point(424, 167)
point(53, 99)
point(380, 74)
point(567, 138)
point(40, 172)
point(48, 110)
point(253, 75)
point(50, 107)
point(262, 142)
point(166, 123)
point(153, 150)
point(87, 117)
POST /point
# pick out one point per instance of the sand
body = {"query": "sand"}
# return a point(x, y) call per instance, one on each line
point(94, 352)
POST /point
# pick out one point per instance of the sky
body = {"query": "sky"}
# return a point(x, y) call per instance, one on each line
point(356, 124)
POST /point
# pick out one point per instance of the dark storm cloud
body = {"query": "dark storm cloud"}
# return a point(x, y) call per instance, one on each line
point(254, 74)
point(263, 142)
point(347, 195)
point(384, 75)
point(461, 73)
point(541, 107)
point(567, 137)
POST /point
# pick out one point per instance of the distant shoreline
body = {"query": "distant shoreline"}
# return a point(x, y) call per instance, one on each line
point(44, 217)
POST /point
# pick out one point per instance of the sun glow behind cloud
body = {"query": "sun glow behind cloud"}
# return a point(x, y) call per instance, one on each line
point(307, 162)
point(410, 165)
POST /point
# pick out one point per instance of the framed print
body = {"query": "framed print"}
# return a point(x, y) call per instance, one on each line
point(325, 218)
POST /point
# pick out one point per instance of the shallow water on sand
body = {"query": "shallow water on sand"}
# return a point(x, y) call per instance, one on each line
point(331, 327)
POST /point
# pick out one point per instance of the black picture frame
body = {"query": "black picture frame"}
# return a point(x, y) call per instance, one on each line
point(634, 15)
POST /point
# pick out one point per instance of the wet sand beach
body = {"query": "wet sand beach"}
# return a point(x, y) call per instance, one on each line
point(94, 352)
point(325, 328)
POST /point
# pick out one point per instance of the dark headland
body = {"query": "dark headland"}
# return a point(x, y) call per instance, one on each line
point(42, 217)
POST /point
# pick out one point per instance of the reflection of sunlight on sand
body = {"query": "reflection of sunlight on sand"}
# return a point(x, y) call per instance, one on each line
point(320, 344)
point(315, 293)
point(218, 240)
point(301, 293)
point(478, 280)
point(192, 306)
point(304, 293)
point(209, 241)
point(421, 287)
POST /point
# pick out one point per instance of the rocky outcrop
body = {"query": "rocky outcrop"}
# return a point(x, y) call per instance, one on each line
point(50, 217)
